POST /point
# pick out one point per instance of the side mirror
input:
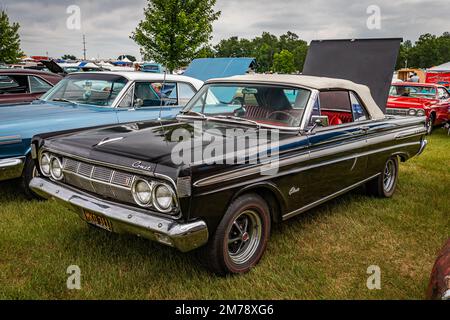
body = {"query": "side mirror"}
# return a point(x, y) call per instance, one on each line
point(318, 121)
point(138, 102)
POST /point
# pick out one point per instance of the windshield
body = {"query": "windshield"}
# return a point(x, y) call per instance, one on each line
point(93, 89)
point(413, 92)
point(263, 104)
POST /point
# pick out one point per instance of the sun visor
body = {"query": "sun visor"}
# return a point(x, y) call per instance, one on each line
point(370, 62)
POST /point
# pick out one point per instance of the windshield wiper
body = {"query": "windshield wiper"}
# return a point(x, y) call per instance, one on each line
point(194, 113)
point(257, 124)
point(63, 100)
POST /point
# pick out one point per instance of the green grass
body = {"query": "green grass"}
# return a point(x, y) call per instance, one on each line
point(323, 254)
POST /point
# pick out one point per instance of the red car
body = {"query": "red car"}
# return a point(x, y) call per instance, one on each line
point(420, 99)
point(24, 85)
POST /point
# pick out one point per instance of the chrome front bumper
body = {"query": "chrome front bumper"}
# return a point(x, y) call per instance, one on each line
point(423, 145)
point(11, 168)
point(183, 236)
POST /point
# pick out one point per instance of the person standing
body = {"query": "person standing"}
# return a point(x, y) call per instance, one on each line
point(414, 78)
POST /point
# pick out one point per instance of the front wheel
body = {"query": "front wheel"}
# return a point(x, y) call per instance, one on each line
point(29, 172)
point(385, 184)
point(241, 237)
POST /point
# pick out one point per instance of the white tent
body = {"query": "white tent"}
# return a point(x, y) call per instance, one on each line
point(126, 60)
point(441, 68)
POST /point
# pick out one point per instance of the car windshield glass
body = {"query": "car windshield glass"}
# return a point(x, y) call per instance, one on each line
point(263, 104)
point(93, 89)
point(413, 92)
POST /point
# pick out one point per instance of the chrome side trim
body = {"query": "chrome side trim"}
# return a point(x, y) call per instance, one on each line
point(325, 199)
point(11, 168)
point(183, 236)
point(220, 178)
point(10, 139)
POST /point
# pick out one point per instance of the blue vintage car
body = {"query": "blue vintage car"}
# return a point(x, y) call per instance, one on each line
point(84, 100)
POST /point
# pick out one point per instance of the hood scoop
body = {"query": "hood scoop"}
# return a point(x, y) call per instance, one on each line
point(108, 140)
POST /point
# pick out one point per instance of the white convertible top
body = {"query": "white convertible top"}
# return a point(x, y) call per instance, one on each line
point(149, 76)
point(318, 83)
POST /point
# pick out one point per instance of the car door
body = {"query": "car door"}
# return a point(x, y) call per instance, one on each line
point(14, 89)
point(37, 86)
point(152, 100)
point(337, 146)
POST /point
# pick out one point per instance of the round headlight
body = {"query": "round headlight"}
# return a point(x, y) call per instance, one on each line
point(163, 199)
point(142, 192)
point(420, 113)
point(45, 164)
point(56, 169)
point(412, 112)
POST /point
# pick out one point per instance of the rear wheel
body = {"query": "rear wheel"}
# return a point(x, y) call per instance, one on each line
point(241, 237)
point(29, 172)
point(385, 184)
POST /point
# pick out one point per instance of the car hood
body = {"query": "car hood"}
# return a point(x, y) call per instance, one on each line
point(150, 144)
point(40, 110)
point(27, 120)
point(410, 102)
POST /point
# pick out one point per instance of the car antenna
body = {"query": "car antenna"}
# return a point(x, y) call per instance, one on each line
point(161, 100)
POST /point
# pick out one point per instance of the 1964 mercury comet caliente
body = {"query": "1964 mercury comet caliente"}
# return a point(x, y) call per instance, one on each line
point(325, 136)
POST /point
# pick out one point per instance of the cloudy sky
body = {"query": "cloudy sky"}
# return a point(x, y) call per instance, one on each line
point(108, 23)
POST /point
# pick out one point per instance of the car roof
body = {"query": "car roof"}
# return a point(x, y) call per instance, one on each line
point(28, 71)
point(312, 82)
point(145, 76)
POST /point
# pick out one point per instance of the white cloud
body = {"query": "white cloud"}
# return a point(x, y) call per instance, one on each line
point(109, 23)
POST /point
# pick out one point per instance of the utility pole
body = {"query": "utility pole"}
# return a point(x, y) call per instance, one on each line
point(84, 47)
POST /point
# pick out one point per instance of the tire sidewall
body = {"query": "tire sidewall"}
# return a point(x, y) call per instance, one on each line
point(247, 202)
point(389, 193)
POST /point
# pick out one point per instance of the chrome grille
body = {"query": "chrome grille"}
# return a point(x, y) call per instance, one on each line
point(123, 179)
point(103, 181)
point(85, 169)
point(397, 111)
point(102, 174)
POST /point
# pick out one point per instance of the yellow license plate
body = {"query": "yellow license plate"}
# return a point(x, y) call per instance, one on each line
point(97, 220)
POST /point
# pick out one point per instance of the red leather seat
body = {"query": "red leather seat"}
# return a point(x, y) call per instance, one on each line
point(334, 121)
point(337, 117)
point(256, 112)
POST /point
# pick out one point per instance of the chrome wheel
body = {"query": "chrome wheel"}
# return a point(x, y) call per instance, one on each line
point(389, 175)
point(244, 237)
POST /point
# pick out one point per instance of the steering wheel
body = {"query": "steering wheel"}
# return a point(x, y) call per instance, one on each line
point(292, 119)
point(240, 112)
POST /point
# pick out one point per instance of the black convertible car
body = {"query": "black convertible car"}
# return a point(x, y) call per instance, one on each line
point(297, 141)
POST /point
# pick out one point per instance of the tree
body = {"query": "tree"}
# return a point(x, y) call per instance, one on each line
point(234, 47)
point(174, 31)
point(9, 40)
point(404, 55)
point(299, 48)
point(69, 57)
point(283, 62)
point(205, 52)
